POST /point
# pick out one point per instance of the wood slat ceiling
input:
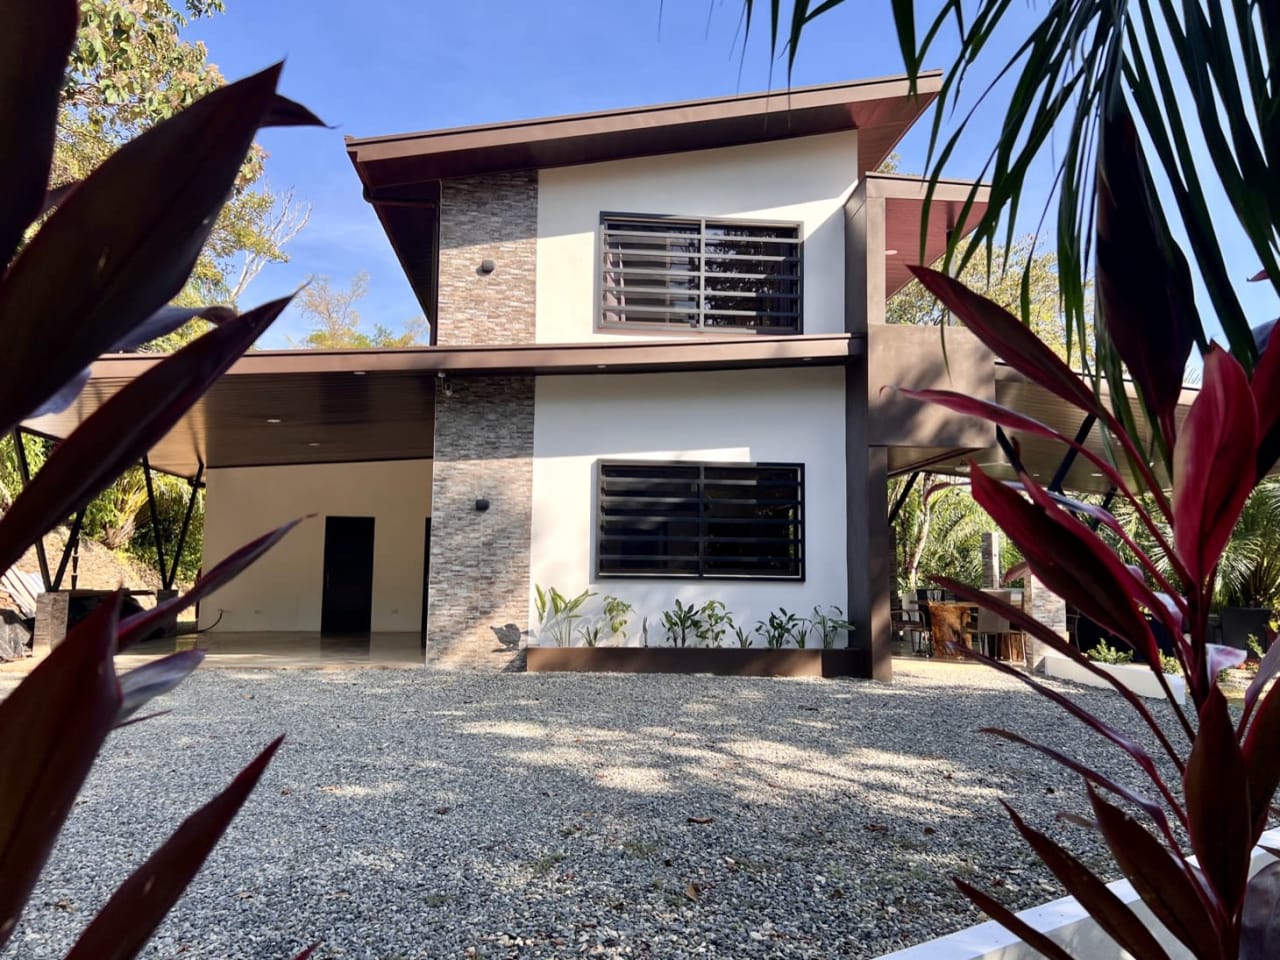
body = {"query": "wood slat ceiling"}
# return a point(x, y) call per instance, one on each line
point(348, 406)
point(323, 418)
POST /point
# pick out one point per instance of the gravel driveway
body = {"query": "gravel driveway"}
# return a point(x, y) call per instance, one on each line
point(422, 815)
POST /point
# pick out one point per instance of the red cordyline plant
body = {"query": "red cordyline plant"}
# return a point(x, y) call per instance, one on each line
point(1228, 765)
point(95, 277)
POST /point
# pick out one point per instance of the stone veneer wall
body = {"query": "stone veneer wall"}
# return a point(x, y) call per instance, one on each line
point(479, 577)
point(478, 581)
point(493, 217)
point(1051, 610)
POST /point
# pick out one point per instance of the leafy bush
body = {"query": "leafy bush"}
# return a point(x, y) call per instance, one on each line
point(828, 624)
point(1105, 653)
point(681, 622)
point(780, 627)
point(618, 613)
point(556, 613)
point(713, 622)
point(94, 277)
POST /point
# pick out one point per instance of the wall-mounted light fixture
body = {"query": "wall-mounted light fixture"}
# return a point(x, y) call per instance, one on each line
point(481, 505)
point(487, 267)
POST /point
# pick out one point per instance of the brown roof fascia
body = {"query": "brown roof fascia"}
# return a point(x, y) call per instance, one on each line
point(712, 353)
point(886, 104)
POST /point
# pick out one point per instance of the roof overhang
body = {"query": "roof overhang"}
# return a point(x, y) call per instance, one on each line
point(881, 110)
point(911, 238)
point(401, 173)
point(309, 406)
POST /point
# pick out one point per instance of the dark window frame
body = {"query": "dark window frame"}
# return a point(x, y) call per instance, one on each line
point(701, 293)
point(604, 571)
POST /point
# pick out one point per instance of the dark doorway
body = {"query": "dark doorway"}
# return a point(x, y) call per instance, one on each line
point(426, 580)
point(347, 606)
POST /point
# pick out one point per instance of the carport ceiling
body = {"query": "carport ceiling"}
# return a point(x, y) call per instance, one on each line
point(312, 406)
point(254, 420)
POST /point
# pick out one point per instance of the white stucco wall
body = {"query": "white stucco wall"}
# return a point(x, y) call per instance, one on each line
point(732, 416)
point(806, 179)
point(283, 590)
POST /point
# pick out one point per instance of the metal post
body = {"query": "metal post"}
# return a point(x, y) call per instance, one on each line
point(902, 497)
point(186, 525)
point(24, 470)
point(72, 546)
point(1055, 485)
point(155, 516)
point(1106, 505)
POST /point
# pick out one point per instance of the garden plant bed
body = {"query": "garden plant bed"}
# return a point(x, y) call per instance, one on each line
point(725, 662)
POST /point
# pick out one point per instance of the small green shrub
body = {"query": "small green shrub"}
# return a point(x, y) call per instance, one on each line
point(713, 622)
point(618, 612)
point(681, 622)
point(1105, 653)
point(590, 632)
point(828, 624)
point(556, 613)
point(1170, 665)
point(1255, 647)
point(781, 627)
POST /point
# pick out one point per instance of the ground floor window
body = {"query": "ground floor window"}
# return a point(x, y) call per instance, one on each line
point(711, 520)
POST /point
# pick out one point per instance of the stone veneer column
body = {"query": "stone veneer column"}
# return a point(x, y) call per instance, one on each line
point(991, 559)
point(1051, 610)
point(478, 581)
point(479, 576)
point(492, 217)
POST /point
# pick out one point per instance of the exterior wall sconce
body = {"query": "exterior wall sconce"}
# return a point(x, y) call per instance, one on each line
point(487, 267)
point(482, 505)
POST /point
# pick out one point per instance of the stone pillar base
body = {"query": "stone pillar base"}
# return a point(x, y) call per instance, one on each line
point(52, 610)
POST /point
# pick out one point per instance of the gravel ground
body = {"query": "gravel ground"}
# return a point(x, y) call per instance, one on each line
point(422, 815)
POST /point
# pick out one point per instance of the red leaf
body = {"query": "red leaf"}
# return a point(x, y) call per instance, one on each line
point(123, 429)
point(1266, 398)
point(1009, 338)
point(1214, 464)
point(34, 44)
point(51, 727)
point(1068, 558)
point(143, 684)
point(122, 244)
point(1260, 750)
point(134, 911)
point(1104, 906)
point(1002, 915)
point(140, 625)
point(1266, 670)
point(1260, 919)
point(1161, 879)
point(1145, 297)
point(1216, 786)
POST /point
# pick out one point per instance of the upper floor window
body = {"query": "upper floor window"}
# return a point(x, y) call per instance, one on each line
point(666, 273)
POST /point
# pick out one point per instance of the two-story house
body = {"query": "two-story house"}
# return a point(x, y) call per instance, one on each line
point(657, 368)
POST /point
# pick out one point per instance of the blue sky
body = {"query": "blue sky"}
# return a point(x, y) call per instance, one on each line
point(389, 66)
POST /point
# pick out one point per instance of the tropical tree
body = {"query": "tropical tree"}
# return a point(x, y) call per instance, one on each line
point(129, 69)
point(1013, 272)
point(336, 323)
